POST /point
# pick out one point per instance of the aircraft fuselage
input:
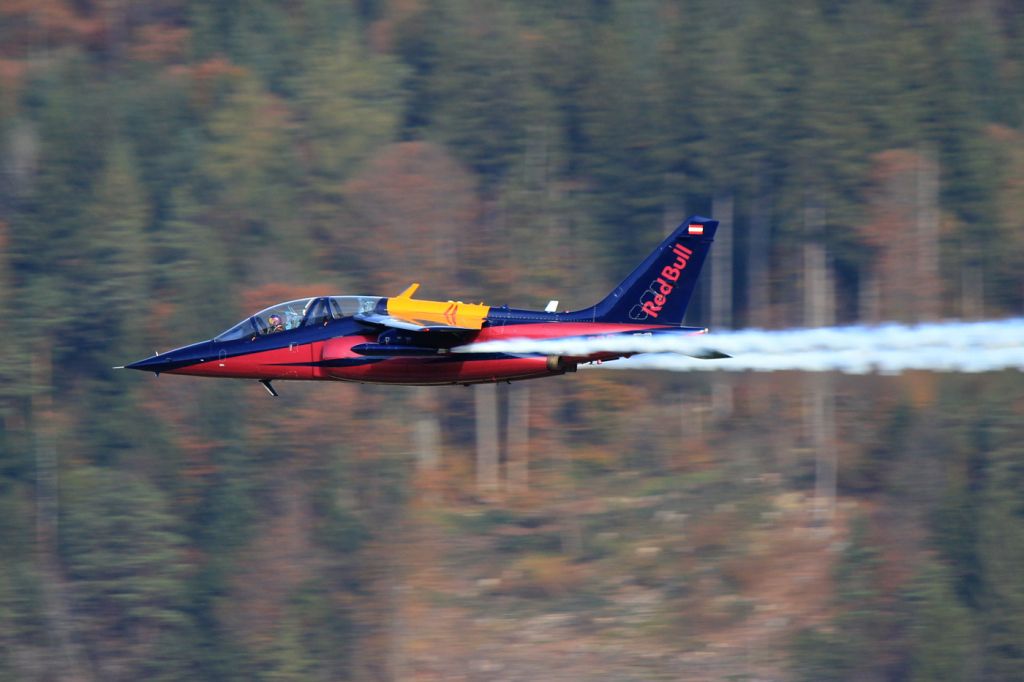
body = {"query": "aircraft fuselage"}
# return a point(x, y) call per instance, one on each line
point(404, 340)
point(347, 350)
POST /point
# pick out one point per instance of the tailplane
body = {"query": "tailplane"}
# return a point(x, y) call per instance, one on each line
point(659, 290)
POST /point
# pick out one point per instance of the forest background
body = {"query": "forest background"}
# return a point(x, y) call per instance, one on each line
point(168, 166)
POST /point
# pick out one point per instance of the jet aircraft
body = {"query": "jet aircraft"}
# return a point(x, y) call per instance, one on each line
point(404, 340)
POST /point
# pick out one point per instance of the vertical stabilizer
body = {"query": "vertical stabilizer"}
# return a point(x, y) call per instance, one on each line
point(659, 289)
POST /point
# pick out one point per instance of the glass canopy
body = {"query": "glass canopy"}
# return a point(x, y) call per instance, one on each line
point(302, 312)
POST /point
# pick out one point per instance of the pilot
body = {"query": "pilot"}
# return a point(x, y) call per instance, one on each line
point(275, 324)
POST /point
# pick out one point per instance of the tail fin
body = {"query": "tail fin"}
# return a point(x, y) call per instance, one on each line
point(659, 290)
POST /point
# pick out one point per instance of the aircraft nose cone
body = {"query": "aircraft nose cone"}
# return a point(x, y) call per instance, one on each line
point(157, 363)
point(174, 359)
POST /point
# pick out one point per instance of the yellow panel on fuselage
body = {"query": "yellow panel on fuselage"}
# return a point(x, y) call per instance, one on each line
point(448, 313)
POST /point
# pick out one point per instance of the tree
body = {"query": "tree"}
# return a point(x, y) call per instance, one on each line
point(903, 231)
point(110, 312)
point(46, 228)
point(7, 363)
point(248, 164)
point(414, 195)
point(349, 102)
point(190, 271)
point(121, 550)
point(858, 644)
point(1001, 553)
point(623, 131)
point(941, 637)
point(479, 88)
point(116, 251)
point(1009, 293)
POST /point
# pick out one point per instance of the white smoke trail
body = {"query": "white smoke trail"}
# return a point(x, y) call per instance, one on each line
point(888, 348)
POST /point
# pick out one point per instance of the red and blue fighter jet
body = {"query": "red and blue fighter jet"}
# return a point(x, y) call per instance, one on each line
point(403, 340)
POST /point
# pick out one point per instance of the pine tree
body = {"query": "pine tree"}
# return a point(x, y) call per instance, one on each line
point(1001, 554)
point(349, 101)
point(858, 644)
point(113, 273)
point(122, 552)
point(941, 637)
point(479, 87)
point(190, 270)
point(248, 165)
point(10, 360)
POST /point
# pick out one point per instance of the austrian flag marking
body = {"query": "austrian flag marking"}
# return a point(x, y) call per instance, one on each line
point(695, 228)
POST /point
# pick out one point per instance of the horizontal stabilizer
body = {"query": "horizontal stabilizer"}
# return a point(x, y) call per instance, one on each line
point(709, 354)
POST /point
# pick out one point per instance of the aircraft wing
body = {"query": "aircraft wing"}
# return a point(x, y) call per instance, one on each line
point(413, 325)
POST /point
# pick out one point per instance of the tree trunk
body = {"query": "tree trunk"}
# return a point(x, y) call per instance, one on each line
point(758, 258)
point(929, 306)
point(819, 289)
point(868, 298)
point(721, 299)
point(972, 300)
point(486, 397)
point(819, 311)
point(426, 429)
point(517, 436)
point(823, 439)
point(721, 265)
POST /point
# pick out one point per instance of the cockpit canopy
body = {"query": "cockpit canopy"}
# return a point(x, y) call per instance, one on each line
point(302, 312)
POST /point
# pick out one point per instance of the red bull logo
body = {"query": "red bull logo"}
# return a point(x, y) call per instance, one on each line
point(653, 300)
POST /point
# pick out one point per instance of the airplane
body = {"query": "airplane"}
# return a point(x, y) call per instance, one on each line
point(409, 341)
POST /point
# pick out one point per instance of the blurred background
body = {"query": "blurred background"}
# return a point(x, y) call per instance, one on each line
point(168, 166)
